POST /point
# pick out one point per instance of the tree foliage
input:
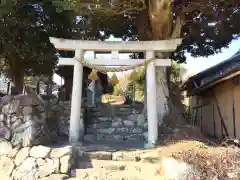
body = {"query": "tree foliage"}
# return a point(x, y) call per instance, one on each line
point(205, 25)
point(25, 48)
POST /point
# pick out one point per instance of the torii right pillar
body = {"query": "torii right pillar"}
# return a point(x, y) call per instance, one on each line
point(151, 101)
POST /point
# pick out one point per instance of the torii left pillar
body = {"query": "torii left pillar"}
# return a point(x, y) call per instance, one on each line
point(76, 129)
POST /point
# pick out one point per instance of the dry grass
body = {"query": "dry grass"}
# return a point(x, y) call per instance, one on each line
point(214, 161)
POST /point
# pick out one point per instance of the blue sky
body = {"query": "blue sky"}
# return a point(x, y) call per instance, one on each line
point(199, 64)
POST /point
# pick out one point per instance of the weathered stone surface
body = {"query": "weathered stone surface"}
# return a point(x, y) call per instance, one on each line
point(129, 123)
point(6, 167)
point(55, 177)
point(11, 107)
point(8, 120)
point(106, 131)
point(89, 137)
point(49, 167)
point(101, 155)
point(40, 161)
point(134, 137)
point(13, 152)
point(145, 126)
point(116, 124)
point(133, 117)
point(27, 170)
point(64, 127)
point(145, 135)
point(106, 124)
point(14, 118)
point(39, 151)
point(2, 124)
point(141, 120)
point(5, 132)
point(110, 137)
point(137, 131)
point(125, 156)
point(2, 118)
point(27, 99)
point(66, 163)
point(103, 118)
point(22, 155)
point(116, 137)
point(28, 110)
point(5, 100)
point(123, 130)
point(5, 147)
point(60, 152)
point(174, 169)
point(16, 139)
point(16, 124)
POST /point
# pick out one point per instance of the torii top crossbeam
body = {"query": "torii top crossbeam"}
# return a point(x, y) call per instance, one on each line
point(123, 46)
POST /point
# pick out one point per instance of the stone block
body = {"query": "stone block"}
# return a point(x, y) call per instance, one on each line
point(89, 137)
point(100, 155)
point(65, 164)
point(55, 177)
point(5, 132)
point(112, 137)
point(137, 131)
point(39, 151)
point(60, 152)
point(106, 130)
point(6, 167)
point(27, 110)
point(134, 137)
point(106, 124)
point(48, 167)
point(22, 155)
point(11, 107)
point(123, 130)
point(125, 156)
point(16, 124)
point(117, 124)
point(2, 118)
point(28, 169)
point(5, 147)
point(129, 123)
point(141, 120)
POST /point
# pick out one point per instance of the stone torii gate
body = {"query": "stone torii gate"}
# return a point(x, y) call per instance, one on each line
point(148, 47)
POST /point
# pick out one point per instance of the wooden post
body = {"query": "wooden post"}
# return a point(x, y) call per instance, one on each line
point(233, 111)
point(94, 87)
point(76, 130)
point(151, 101)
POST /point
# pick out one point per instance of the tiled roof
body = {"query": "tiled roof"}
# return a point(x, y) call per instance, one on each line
point(214, 73)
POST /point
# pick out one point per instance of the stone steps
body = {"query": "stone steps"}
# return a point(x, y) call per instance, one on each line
point(115, 110)
point(128, 155)
point(119, 130)
point(118, 123)
point(119, 133)
point(117, 170)
point(115, 137)
point(111, 113)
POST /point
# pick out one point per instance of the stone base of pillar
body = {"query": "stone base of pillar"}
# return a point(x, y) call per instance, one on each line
point(149, 145)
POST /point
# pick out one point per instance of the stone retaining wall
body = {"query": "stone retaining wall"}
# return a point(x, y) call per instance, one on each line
point(61, 112)
point(27, 126)
point(37, 162)
point(23, 120)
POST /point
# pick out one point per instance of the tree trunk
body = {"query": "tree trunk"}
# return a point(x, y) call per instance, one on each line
point(158, 21)
point(17, 75)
